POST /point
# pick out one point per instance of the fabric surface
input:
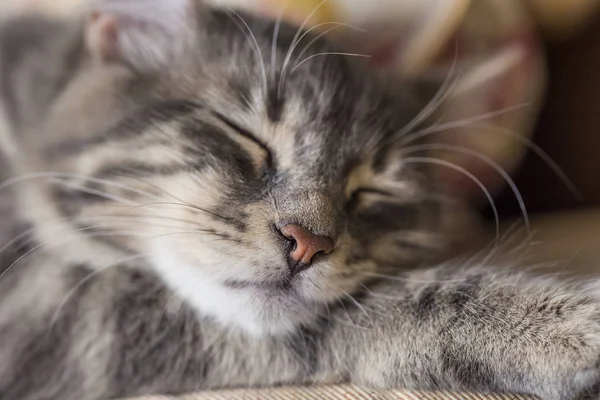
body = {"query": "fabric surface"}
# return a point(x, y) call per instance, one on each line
point(335, 393)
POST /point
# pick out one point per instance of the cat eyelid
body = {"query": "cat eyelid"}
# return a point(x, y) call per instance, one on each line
point(248, 135)
point(354, 201)
point(368, 190)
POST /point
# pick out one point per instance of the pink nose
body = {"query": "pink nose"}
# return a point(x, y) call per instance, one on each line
point(307, 245)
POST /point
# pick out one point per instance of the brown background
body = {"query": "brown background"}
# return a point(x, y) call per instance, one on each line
point(569, 129)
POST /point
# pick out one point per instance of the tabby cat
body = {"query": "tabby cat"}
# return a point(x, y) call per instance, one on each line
point(198, 198)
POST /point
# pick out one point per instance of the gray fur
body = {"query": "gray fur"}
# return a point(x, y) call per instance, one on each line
point(149, 168)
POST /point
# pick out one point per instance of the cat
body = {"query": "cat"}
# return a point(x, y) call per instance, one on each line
point(196, 199)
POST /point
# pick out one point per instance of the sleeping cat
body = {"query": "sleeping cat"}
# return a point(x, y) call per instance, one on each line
point(203, 200)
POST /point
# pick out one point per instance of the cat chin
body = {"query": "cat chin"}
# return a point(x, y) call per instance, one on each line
point(256, 311)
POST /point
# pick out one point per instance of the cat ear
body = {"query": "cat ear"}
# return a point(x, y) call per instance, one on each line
point(143, 34)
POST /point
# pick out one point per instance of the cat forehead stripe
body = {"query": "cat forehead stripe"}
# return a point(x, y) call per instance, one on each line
point(131, 127)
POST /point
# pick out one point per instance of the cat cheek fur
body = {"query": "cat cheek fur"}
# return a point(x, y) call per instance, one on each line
point(227, 273)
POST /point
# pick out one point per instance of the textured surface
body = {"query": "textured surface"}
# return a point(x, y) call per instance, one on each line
point(336, 393)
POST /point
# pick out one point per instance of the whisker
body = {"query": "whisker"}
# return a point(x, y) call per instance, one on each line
point(489, 161)
point(274, 43)
point(45, 245)
point(143, 219)
point(443, 92)
point(106, 218)
point(191, 232)
point(53, 179)
point(118, 218)
point(148, 184)
point(133, 220)
point(251, 104)
point(86, 279)
point(48, 175)
point(352, 323)
point(95, 192)
point(333, 53)
point(67, 242)
point(364, 308)
point(294, 43)
point(447, 164)
point(400, 278)
point(460, 123)
point(543, 155)
point(257, 48)
point(18, 260)
point(337, 26)
point(186, 205)
point(379, 295)
point(13, 241)
point(168, 302)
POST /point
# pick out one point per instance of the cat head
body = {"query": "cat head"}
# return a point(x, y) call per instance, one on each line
point(260, 172)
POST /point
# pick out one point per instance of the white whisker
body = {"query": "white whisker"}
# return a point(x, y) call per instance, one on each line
point(274, 43)
point(447, 164)
point(73, 290)
point(294, 43)
point(543, 155)
point(65, 175)
point(64, 243)
point(460, 123)
point(18, 260)
point(95, 192)
point(108, 218)
point(258, 51)
point(184, 205)
point(333, 53)
point(190, 232)
point(352, 323)
point(22, 235)
point(364, 309)
point(337, 26)
point(438, 99)
point(489, 161)
point(400, 278)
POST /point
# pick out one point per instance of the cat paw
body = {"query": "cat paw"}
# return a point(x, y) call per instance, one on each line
point(565, 347)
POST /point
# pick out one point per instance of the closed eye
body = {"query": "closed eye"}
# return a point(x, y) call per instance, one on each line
point(364, 191)
point(367, 194)
point(268, 158)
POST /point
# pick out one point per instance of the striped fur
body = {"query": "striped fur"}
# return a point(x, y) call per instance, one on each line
point(155, 182)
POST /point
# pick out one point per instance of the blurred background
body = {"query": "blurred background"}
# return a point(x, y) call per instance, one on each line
point(567, 227)
point(568, 128)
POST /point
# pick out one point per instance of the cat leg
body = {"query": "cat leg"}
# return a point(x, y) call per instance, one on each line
point(472, 329)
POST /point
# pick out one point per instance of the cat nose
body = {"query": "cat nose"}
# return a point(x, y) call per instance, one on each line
point(306, 246)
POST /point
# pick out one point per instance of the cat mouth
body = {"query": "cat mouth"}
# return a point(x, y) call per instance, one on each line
point(282, 285)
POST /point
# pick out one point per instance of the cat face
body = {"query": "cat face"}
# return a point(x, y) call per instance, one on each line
point(261, 183)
